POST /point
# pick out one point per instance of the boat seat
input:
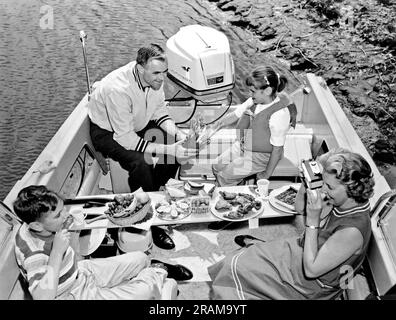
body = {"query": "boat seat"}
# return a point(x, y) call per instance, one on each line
point(119, 177)
point(297, 147)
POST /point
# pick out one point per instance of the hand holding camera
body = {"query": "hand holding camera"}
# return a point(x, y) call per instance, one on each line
point(311, 174)
point(314, 206)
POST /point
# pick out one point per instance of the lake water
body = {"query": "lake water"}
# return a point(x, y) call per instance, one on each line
point(42, 76)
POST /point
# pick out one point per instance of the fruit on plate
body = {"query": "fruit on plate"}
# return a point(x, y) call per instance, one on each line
point(142, 197)
point(126, 205)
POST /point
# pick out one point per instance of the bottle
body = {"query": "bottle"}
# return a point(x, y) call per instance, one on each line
point(201, 121)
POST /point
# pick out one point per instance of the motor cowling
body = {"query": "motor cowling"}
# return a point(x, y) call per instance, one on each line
point(200, 62)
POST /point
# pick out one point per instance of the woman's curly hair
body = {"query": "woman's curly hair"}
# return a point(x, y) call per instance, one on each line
point(34, 201)
point(352, 170)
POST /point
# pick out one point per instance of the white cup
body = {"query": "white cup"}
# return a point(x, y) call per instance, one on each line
point(262, 187)
point(78, 216)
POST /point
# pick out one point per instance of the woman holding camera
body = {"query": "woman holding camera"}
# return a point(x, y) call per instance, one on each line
point(322, 261)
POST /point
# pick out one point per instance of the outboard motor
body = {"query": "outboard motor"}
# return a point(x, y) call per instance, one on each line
point(200, 62)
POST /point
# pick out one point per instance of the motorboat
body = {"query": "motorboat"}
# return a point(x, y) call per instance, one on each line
point(70, 165)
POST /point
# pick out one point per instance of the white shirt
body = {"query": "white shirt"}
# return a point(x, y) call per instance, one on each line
point(122, 105)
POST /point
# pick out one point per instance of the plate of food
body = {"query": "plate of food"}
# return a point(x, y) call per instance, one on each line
point(284, 198)
point(129, 209)
point(173, 210)
point(236, 206)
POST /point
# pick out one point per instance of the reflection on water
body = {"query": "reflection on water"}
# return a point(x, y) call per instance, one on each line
point(42, 75)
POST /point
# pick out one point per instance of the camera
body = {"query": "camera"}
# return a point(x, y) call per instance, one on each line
point(312, 174)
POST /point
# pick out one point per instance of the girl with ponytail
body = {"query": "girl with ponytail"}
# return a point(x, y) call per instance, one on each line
point(263, 121)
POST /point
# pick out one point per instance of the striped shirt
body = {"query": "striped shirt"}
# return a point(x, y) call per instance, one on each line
point(32, 254)
point(120, 104)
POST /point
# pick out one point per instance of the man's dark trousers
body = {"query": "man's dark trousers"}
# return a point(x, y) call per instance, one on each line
point(142, 172)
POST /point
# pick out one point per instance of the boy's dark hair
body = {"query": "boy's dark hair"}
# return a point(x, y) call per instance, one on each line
point(153, 51)
point(33, 201)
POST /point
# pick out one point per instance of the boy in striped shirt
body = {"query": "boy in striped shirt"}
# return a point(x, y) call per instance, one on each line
point(47, 259)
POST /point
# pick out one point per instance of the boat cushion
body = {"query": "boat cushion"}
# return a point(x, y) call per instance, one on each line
point(119, 177)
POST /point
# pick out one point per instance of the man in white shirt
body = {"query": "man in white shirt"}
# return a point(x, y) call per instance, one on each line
point(130, 122)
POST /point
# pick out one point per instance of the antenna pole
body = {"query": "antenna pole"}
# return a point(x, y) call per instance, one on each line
point(83, 38)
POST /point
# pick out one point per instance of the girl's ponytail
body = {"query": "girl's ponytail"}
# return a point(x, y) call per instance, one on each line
point(282, 81)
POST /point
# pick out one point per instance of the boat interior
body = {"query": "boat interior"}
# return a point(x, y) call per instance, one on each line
point(70, 166)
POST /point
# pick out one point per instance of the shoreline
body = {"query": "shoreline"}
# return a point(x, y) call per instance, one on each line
point(345, 43)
